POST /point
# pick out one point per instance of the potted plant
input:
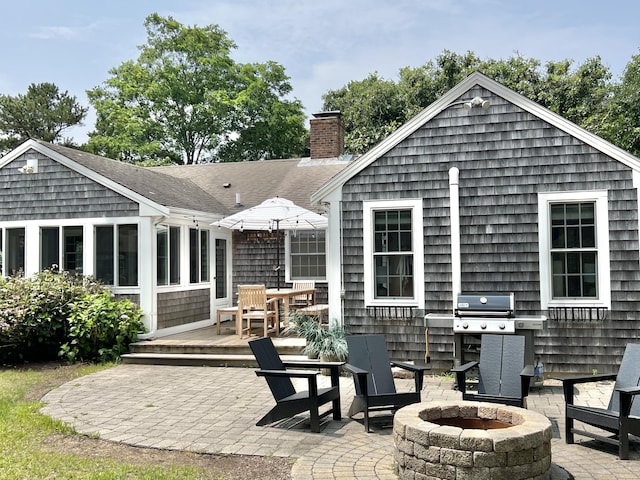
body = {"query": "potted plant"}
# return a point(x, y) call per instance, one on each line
point(326, 343)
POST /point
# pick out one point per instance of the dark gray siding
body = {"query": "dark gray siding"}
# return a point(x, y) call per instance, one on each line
point(184, 307)
point(254, 256)
point(56, 192)
point(506, 157)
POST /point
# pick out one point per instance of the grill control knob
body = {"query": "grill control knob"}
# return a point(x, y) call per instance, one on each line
point(465, 325)
point(502, 326)
point(483, 325)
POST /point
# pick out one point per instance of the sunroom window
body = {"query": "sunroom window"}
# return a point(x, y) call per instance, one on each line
point(116, 255)
point(198, 255)
point(168, 255)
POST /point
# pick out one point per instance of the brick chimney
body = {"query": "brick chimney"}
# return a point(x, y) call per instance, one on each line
point(326, 135)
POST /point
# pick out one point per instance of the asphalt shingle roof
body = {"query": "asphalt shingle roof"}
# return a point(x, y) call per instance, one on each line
point(213, 187)
point(165, 190)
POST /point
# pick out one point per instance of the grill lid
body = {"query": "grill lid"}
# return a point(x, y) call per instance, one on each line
point(485, 305)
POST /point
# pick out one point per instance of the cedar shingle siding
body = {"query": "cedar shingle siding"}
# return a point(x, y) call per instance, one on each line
point(505, 160)
point(181, 308)
point(56, 192)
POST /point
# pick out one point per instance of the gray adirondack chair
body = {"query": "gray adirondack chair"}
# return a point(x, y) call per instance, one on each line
point(622, 415)
point(289, 402)
point(502, 374)
point(370, 366)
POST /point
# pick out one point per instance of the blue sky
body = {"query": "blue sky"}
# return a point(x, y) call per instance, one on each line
point(322, 44)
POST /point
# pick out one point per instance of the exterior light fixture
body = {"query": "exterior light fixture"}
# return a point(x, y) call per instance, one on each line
point(477, 102)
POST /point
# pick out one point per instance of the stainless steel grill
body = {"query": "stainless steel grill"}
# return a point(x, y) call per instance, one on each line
point(484, 314)
point(475, 314)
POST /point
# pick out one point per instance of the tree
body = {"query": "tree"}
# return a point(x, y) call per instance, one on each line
point(185, 99)
point(581, 95)
point(620, 122)
point(42, 113)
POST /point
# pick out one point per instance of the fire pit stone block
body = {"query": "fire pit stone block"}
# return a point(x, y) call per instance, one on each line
point(511, 443)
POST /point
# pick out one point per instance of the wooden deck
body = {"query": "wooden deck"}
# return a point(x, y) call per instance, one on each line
point(205, 347)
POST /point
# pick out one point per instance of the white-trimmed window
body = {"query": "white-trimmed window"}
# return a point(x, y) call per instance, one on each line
point(116, 254)
point(393, 253)
point(62, 248)
point(574, 249)
point(307, 255)
point(168, 255)
point(198, 255)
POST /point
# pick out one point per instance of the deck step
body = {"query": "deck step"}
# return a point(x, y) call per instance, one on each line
point(207, 348)
point(199, 360)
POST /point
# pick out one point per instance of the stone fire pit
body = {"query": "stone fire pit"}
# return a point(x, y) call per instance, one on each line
point(471, 440)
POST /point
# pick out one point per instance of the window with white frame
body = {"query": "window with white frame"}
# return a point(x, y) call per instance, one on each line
point(198, 255)
point(116, 255)
point(168, 255)
point(574, 249)
point(393, 253)
point(307, 253)
point(15, 251)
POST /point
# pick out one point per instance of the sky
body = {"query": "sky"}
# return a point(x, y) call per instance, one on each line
point(322, 44)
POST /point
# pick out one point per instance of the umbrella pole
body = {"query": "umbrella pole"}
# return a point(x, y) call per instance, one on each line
point(278, 254)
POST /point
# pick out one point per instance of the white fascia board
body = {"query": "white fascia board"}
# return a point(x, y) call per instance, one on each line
point(16, 152)
point(204, 217)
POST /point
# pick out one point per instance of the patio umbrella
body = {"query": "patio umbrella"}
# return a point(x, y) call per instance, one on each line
point(274, 214)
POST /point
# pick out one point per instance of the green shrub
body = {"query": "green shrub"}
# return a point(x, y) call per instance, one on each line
point(101, 328)
point(35, 315)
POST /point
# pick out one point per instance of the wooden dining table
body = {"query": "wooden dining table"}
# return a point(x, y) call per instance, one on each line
point(287, 294)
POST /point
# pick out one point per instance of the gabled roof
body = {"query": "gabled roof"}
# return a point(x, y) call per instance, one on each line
point(453, 95)
point(142, 185)
point(294, 179)
point(206, 188)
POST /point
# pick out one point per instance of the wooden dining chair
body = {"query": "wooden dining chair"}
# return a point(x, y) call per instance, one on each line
point(253, 306)
point(305, 300)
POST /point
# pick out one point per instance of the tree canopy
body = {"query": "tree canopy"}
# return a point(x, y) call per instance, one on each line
point(43, 113)
point(586, 95)
point(185, 99)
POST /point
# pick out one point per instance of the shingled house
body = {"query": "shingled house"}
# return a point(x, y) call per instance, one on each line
point(487, 191)
point(146, 232)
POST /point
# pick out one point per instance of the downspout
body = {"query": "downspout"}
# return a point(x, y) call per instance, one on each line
point(454, 207)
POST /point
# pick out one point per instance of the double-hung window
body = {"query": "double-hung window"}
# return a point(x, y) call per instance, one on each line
point(393, 252)
point(574, 252)
point(307, 255)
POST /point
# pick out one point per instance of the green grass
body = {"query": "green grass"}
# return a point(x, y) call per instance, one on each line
point(23, 430)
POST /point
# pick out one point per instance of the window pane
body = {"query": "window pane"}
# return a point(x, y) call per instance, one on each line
point(589, 287)
point(15, 251)
point(105, 255)
point(174, 255)
point(128, 255)
point(162, 240)
point(588, 237)
point(193, 255)
point(573, 237)
point(558, 237)
point(204, 255)
point(588, 213)
point(221, 268)
point(72, 249)
point(49, 248)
